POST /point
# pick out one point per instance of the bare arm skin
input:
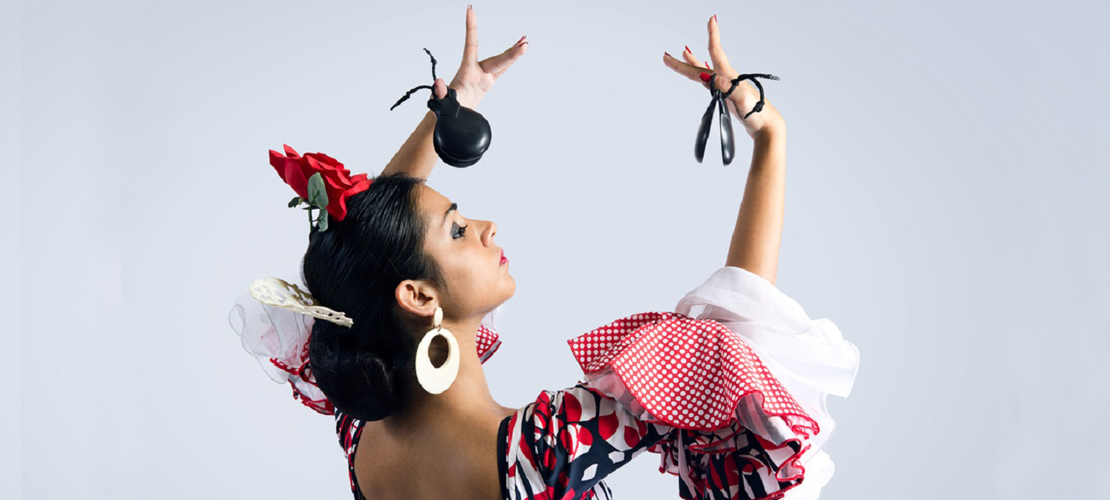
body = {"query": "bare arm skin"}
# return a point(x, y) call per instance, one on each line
point(758, 232)
point(417, 156)
point(473, 80)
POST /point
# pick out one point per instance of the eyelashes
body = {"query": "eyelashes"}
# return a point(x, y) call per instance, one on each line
point(459, 232)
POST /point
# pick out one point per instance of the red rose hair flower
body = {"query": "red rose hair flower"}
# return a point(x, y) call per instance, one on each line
point(338, 183)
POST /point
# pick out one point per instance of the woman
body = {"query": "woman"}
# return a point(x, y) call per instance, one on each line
point(746, 419)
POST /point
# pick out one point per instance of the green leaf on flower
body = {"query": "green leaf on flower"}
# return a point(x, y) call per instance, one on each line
point(317, 195)
point(322, 221)
point(295, 201)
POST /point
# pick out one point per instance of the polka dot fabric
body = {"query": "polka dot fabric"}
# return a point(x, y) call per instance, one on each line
point(686, 373)
point(488, 342)
point(562, 446)
point(731, 398)
point(735, 431)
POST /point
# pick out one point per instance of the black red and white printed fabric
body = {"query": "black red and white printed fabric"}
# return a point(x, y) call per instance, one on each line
point(562, 445)
point(731, 397)
point(737, 433)
point(349, 430)
point(729, 390)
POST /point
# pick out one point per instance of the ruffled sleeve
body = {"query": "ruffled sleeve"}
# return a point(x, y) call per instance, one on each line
point(737, 377)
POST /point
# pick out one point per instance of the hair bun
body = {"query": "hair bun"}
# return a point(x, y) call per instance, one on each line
point(364, 381)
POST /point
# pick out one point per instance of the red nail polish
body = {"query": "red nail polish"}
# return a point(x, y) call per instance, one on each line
point(688, 49)
point(714, 17)
point(706, 64)
point(667, 54)
point(705, 77)
point(521, 39)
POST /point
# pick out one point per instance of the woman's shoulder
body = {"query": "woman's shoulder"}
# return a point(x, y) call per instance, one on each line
point(387, 465)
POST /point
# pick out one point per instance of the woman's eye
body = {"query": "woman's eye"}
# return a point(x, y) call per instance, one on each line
point(459, 232)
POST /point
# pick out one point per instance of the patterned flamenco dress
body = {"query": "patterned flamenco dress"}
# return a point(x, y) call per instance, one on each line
point(729, 390)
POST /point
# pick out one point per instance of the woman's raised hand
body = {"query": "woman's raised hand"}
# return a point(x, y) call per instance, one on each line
point(475, 77)
point(743, 99)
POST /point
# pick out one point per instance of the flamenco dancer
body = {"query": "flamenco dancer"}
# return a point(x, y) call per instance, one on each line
point(729, 389)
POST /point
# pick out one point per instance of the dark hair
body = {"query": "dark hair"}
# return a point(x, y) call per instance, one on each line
point(354, 267)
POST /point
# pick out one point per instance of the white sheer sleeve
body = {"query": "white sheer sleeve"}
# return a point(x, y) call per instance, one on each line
point(810, 357)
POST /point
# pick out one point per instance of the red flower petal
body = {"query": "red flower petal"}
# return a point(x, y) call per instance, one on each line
point(327, 160)
point(290, 173)
point(295, 170)
point(339, 209)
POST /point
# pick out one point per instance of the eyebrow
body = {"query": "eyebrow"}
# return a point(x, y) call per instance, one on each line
point(454, 206)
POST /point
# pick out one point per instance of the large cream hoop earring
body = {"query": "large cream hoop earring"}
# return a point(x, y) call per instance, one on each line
point(432, 379)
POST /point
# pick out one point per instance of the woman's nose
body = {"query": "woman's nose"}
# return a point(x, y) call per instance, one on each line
point(490, 231)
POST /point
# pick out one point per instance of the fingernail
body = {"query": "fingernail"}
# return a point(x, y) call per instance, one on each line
point(705, 77)
point(668, 55)
point(688, 49)
point(706, 64)
point(468, 7)
point(714, 17)
point(521, 39)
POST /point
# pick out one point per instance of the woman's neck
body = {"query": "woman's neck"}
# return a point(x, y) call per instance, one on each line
point(467, 397)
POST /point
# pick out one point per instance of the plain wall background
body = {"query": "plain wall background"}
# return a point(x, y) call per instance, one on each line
point(946, 208)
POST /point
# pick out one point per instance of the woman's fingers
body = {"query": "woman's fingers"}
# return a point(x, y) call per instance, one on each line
point(689, 57)
point(686, 69)
point(440, 88)
point(692, 68)
point(693, 61)
point(470, 49)
point(496, 65)
point(716, 53)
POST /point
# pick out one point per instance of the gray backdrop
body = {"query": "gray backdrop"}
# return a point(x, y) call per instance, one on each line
point(946, 208)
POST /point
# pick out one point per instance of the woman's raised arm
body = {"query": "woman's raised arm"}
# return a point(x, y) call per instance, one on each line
point(758, 231)
point(417, 156)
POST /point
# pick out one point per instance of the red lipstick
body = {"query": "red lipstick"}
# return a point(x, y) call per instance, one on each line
point(504, 260)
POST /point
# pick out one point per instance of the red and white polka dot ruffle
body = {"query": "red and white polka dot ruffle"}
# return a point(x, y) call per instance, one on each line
point(690, 374)
point(736, 430)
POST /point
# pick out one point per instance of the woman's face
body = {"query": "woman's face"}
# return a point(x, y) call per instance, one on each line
point(477, 281)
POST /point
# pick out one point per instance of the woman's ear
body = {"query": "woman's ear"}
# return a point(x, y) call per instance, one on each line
point(417, 298)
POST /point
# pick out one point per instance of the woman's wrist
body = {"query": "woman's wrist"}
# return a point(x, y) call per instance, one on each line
point(765, 121)
point(466, 96)
point(774, 128)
